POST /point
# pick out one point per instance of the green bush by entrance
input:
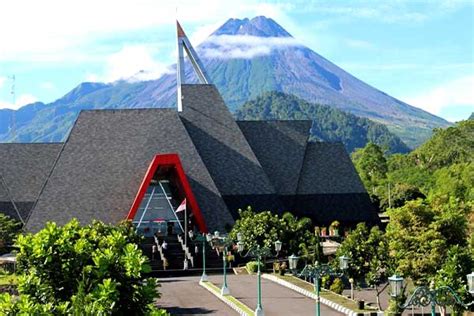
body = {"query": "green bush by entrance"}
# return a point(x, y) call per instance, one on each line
point(95, 269)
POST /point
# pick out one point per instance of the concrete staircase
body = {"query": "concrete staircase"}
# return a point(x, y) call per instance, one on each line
point(174, 254)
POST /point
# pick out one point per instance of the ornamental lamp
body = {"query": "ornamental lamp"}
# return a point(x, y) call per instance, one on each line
point(470, 283)
point(240, 246)
point(293, 261)
point(191, 234)
point(343, 263)
point(396, 284)
point(239, 236)
point(216, 234)
point(278, 246)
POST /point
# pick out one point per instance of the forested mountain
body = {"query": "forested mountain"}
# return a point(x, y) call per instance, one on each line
point(441, 169)
point(244, 58)
point(329, 124)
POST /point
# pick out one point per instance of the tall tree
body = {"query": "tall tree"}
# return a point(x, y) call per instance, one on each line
point(371, 165)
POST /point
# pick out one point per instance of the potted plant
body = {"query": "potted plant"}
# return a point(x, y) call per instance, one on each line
point(334, 228)
point(323, 231)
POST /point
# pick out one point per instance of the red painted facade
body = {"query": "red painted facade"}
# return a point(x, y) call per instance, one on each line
point(170, 161)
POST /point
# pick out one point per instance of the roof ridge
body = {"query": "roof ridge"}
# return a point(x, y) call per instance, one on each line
point(126, 110)
point(33, 143)
point(273, 120)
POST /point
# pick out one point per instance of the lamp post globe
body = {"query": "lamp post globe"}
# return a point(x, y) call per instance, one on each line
point(240, 246)
point(278, 246)
point(293, 262)
point(470, 283)
point(396, 284)
point(343, 263)
point(191, 234)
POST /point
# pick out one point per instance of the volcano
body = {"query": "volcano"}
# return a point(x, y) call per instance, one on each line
point(244, 58)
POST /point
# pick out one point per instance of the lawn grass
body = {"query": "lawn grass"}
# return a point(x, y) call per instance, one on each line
point(232, 299)
point(339, 299)
point(6, 279)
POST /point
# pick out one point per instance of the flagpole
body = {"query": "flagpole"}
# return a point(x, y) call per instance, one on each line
point(185, 226)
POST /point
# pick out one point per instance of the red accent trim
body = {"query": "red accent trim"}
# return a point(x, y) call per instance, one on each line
point(169, 160)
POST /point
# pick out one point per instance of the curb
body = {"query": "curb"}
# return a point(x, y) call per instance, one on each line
point(229, 303)
point(312, 295)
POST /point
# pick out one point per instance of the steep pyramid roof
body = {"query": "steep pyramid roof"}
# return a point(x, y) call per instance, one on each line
point(24, 169)
point(280, 148)
point(330, 189)
point(105, 159)
point(235, 169)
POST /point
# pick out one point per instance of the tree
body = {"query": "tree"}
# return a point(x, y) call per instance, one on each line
point(420, 232)
point(82, 270)
point(371, 165)
point(9, 228)
point(368, 252)
point(415, 245)
point(447, 146)
point(297, 234)
point(264, 228)
point(356, 248)
point(457, 265)
point(399, 194)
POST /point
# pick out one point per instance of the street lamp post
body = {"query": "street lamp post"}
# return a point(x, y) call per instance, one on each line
point(222, 242)
point(258, 252)
point(424, 295)
point(317, 271)
point(203, 239)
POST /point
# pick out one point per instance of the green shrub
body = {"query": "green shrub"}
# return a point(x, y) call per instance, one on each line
point(96, 269)
point(325, 281)
point(9, 228)
point(337, 286)
point(252, 266)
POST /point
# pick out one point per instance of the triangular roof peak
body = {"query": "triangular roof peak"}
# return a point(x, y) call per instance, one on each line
point(180, 29)
point(185, 45)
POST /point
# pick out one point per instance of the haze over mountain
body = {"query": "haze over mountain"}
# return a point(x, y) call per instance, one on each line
point(244, 58)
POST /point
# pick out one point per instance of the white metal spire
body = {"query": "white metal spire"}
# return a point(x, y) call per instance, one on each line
point(185, 45)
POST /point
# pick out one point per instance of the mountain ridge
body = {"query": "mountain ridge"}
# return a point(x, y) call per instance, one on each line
point(329, 124)
point(278, 63)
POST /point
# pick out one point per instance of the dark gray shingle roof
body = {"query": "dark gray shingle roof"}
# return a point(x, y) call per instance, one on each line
point(6, 204)
point(24, 169)
point(105, 159)
point(328, 169)
point(280, 148)
point(330, 188)
point(221, 144)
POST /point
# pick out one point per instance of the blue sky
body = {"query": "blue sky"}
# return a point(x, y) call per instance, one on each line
point(421, 52)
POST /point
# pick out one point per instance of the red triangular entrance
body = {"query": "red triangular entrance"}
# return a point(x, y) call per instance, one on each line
point(172, 164)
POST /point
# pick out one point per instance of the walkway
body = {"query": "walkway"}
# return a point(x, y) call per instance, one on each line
point(184, 296)
point(276, 299)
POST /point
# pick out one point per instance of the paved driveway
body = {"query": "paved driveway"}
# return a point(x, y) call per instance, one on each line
point(276, 299)
point(184, 296)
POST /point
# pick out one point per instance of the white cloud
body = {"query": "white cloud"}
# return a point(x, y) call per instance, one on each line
point(134, 63)
point(55, 30)
point(458, 92)
point(22, 100)
point(90, 77)
point(243, 46)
